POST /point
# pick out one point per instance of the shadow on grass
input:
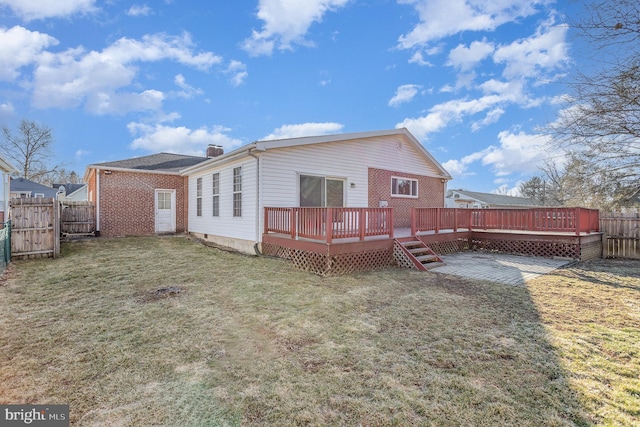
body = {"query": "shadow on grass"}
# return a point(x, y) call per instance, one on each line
point(254, 342)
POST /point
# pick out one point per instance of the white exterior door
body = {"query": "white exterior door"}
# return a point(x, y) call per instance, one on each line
point(165, 211)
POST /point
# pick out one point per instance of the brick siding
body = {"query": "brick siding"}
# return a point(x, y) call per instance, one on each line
point(127, 202)
point(430, 194)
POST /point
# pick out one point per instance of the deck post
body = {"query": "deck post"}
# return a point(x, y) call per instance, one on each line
point(266, 221)
point(390, 223)
point(455, 219)
point(438, 219)
point(362, 222)
point(292, 222)
point(578, 214)
point(414, 228)
point(329, 225)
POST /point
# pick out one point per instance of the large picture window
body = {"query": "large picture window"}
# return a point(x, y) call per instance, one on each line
point(318, 191)
point(404, 187)
point(199, 197)
point(237, 191)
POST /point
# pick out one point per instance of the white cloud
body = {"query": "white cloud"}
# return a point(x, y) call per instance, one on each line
point(404, 93)
point(465, 58)
point(518, 153)
point(20, 47)
point(187, 91)
point(304, 129)
point(139, 10)
point(238, 72)
point(182, 140)
point(39, 9)
point(441, 115)
point(100, 79)
point(6, 110)
point(545, 50)
point(285, 23)
point(417, 58)
point(442, 18)
point(81, 153)
point(492, 117)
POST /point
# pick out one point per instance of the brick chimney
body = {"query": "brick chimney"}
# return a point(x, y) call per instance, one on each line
point(214, 150)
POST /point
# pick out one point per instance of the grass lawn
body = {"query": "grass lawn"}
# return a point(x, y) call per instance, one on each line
point(165, 331)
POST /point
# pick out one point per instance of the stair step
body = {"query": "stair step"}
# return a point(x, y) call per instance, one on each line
point(419, 250)
point(426, 258)
point(431, 265)
point(412, 243)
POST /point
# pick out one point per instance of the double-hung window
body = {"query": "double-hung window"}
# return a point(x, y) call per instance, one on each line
point(215, 194)
point(404, 187)
point(237, 191)
point(199, 197)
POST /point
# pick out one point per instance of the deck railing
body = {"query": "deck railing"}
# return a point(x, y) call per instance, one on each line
point(571, 220)
point(344, 223)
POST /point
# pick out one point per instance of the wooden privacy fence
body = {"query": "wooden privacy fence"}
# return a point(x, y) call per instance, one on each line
point(77, 218)
point(35, 228)
point(38, 223)
point(621, 235)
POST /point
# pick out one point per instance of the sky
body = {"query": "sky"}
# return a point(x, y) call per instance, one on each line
point(472, 80)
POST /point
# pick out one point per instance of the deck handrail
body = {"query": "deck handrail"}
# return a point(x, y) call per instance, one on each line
point(345, 222)
point(566, 220)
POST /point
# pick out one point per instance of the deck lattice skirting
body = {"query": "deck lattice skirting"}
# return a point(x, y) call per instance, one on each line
point(325, 264)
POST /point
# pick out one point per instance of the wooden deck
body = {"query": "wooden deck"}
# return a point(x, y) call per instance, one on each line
point(365, 238)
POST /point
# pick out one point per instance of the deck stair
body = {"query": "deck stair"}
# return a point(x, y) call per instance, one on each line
point(412, 252)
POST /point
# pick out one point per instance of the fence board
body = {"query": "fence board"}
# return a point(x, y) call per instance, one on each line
point(77, 218)
point(35, 230)
point(621, 234)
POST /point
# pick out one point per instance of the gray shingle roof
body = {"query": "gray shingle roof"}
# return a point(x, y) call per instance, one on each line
point(22, 185)
point(497, 199)
point(161, 162)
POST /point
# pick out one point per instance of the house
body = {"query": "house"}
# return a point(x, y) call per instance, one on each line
point(140, 196)
point(72, 192)
point(473, 199)
point(22, 187)
point(228, 193)
point(6, 169)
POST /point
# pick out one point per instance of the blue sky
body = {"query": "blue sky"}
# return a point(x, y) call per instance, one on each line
point(473, 80)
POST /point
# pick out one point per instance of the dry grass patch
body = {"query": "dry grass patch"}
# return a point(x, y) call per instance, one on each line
point(251, 341)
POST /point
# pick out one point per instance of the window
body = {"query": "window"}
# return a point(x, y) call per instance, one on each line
point(215, 194)
point(237, 191)
point(318, 191)
point(404, 187)
point(39, 195)
point(199, 197)
point(164, 200)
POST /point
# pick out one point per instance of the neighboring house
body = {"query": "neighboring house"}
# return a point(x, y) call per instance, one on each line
point(22, 187)
point(72, 192)
point(6, 169)
point(140, 196)
point(476, 200)
point(228, 193)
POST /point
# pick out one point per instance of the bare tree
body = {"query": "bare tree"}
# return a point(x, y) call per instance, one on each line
point(30, 148)
point(600, 127)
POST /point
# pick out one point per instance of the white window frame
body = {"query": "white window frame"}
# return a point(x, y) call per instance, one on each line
point(395, 185)
point(215, 194)
point(199, 196)
point(237, 192)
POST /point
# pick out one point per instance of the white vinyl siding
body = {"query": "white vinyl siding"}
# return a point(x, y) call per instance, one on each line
point(225, 225)
point(350, 160)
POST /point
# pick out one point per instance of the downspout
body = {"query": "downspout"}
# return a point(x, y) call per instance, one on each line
point(256, 247)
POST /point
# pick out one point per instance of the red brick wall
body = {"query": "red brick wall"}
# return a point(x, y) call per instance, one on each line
point(430, 194)
point(127, 202)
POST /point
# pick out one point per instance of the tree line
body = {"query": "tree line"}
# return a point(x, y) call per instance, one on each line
point(597, 134)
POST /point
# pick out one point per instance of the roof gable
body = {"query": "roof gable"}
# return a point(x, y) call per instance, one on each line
point(23, 185)
point(267, 145)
